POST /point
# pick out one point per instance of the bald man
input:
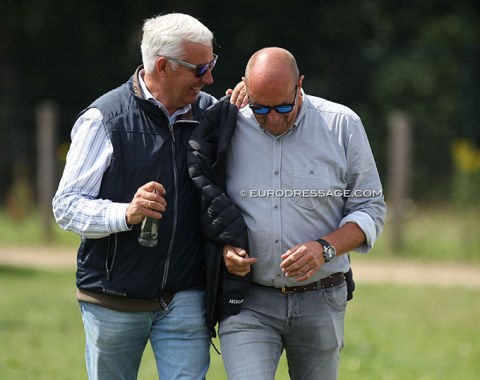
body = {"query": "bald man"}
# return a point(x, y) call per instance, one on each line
point(300, 171)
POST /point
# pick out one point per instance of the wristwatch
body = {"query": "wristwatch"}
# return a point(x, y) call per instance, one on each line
point(329, 251)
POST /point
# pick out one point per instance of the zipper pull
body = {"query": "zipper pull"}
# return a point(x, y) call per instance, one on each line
point(172, 132)
point(163, 304)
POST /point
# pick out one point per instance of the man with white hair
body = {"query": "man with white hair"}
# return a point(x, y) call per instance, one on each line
point(126, 165)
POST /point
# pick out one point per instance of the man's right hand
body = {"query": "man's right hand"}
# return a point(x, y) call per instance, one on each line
point(237, 260)
point(147, 201)
point(238, 94)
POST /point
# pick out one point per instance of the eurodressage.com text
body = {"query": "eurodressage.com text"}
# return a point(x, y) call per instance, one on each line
point(289, 193)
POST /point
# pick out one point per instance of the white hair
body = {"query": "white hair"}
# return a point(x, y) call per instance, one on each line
point(165, 34)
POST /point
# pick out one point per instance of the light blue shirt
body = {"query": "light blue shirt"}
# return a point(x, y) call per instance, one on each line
point(303, 184)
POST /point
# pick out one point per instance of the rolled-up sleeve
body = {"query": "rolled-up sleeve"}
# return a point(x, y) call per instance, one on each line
point(365, 203)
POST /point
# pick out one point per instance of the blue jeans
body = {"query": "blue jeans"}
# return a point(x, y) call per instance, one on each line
point(308, 325)
point(179, 336)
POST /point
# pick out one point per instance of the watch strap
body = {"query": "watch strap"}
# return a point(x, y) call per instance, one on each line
point(328, 249)
point(324, 243)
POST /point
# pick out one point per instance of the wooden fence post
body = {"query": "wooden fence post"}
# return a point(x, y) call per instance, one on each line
point(47, 115)
point(399, 149)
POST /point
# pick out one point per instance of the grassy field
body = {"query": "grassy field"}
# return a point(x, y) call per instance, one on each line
point(392, 332)
point(437, 233)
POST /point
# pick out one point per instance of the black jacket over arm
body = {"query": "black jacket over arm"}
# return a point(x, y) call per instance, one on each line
point(220, 221)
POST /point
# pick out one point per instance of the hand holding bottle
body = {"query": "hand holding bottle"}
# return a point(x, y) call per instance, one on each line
point(147, 207)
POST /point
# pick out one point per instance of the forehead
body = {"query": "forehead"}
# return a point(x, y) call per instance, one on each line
point(269, 95)
point(197, 53)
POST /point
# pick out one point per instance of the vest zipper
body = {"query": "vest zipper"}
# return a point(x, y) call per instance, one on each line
point(175, 209)
point(109, 268)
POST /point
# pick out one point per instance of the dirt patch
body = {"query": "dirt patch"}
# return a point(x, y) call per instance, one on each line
point(415, 273)
point(366, 269)
point(39, 257)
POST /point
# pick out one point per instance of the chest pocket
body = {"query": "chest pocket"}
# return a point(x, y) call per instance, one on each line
point(314, 182)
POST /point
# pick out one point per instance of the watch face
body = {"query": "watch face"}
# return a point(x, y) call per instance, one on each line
point(329, 253)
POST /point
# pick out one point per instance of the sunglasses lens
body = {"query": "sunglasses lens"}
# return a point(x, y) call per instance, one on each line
point(284, 109)
point(201, 70)
point(261, 110)
point(280, 109)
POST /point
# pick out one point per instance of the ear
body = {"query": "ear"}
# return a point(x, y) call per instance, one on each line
point(300, 81)
point(161, 66)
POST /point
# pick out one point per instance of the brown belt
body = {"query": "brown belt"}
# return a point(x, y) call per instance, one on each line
point(327, 282)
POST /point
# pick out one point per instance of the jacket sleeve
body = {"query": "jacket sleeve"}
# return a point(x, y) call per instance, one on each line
point(221, 221)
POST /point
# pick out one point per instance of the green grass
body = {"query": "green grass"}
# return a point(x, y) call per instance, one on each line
point(40, 327)
point(438, 233)
point(397, 332)
point(392, 332)
point(29, 231)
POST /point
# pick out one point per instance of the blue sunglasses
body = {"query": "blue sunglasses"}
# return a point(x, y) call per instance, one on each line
point(200, 70)
point(281, 108)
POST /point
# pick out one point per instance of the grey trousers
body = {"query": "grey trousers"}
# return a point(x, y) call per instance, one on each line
point(308, 325)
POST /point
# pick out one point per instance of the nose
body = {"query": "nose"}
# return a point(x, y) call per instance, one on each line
point(207, 78)
point(274, 117)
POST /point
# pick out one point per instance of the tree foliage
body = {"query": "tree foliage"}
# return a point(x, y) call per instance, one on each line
point(375, 56)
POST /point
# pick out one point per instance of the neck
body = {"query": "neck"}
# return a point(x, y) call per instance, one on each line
point(155, 87)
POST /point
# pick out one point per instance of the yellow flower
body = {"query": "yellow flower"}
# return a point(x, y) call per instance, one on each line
point(465, 155)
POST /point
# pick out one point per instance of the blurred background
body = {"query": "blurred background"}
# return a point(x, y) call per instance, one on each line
point(410, 69)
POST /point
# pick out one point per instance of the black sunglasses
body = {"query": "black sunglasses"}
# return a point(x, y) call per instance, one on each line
point(200, 70)
point(281, 108)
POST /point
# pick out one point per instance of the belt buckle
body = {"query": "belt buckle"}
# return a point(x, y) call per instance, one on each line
point(285, 291)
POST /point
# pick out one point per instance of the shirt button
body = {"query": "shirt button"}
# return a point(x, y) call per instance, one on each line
point(276, 241)
point(275, 172)
point(275, 207)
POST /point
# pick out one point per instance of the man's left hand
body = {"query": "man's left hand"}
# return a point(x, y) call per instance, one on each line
point(302, 261)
